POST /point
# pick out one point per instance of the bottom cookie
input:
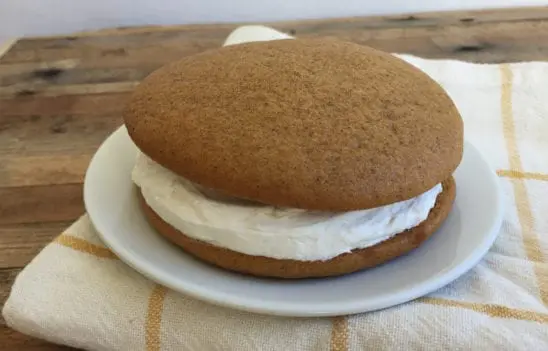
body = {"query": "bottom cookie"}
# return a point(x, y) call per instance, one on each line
point(291, 269)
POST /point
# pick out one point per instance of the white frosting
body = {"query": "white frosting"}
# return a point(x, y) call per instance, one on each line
point(261, 230)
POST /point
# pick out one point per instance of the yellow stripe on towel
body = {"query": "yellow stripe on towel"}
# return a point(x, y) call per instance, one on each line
point(84, 246)
point(339, 334)
point(492, 310)
point(522, 175)
point(154, 318)
point(526, 220)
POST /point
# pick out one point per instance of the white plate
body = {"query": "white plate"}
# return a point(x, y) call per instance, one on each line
point(466, 235)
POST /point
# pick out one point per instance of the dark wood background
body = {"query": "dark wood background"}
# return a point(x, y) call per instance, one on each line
point(61, 96)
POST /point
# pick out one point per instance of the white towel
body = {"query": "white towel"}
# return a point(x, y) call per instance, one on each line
point(76, 292)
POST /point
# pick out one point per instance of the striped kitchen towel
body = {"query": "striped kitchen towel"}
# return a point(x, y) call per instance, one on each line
point(77, 292)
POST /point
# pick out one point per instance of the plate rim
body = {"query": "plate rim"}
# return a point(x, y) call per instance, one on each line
point(221, 298)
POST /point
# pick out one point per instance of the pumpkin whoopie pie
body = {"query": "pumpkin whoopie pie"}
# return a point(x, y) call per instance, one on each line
point(294, 158)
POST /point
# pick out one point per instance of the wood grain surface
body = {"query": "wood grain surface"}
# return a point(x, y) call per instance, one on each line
point(61, 96)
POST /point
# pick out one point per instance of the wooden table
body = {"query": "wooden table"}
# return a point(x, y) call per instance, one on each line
point(61, 96)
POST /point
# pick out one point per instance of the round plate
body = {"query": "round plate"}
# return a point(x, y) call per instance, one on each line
point(467, 234)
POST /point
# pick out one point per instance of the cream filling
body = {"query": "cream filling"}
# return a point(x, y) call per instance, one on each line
point(261, 230)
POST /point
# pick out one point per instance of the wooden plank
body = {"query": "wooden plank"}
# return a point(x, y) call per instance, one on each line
point(65, 143)
point(431, 20)
point(76, 75)
point(11, 339)
point(63, 66)
point(32, 105)
point(19, 130)
point(483, 42)
point(10, 69)
point(19, 171)
point(426, 19)
point(44, 89)
point(20, 243)
point(177, 41)
point(50, 140)
point(171, 49)
point(65, 134)
point(55, 126)
point(41, 204)
point(109, 41)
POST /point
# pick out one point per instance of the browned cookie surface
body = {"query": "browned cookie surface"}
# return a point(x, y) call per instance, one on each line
point(342, 264)
point(307, 123)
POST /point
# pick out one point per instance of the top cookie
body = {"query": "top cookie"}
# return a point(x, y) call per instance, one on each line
point(307, 123)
